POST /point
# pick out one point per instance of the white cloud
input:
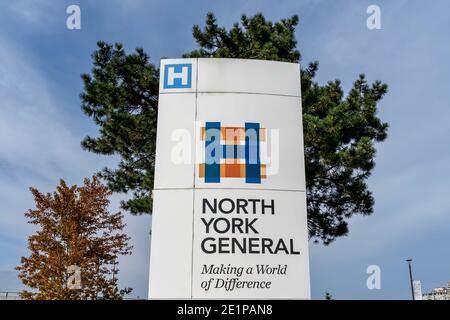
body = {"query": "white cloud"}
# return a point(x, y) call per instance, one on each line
point(31, 12)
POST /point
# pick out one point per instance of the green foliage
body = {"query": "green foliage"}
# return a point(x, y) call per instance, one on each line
point(339, 131)
point(122, 98)
point(339, 152)
point(254, 38)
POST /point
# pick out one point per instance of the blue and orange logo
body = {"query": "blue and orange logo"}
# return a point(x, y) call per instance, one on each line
point(232, 152)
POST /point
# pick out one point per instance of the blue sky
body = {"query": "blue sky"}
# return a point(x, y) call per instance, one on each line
point(41, 123)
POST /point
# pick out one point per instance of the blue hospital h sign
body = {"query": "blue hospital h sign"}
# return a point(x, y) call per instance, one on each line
point(178, 76)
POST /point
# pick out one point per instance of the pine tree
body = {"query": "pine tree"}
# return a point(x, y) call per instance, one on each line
point(74, 229)
point(340, 130)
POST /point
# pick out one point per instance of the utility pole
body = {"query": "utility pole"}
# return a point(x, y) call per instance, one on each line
point(411, 277)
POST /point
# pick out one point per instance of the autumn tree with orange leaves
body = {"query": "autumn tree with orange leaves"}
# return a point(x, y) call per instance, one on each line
point(74, 252)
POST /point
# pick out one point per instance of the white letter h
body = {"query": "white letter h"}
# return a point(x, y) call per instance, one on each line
point(172, 75)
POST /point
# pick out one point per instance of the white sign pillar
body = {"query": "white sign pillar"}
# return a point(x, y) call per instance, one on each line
point(229, 210)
